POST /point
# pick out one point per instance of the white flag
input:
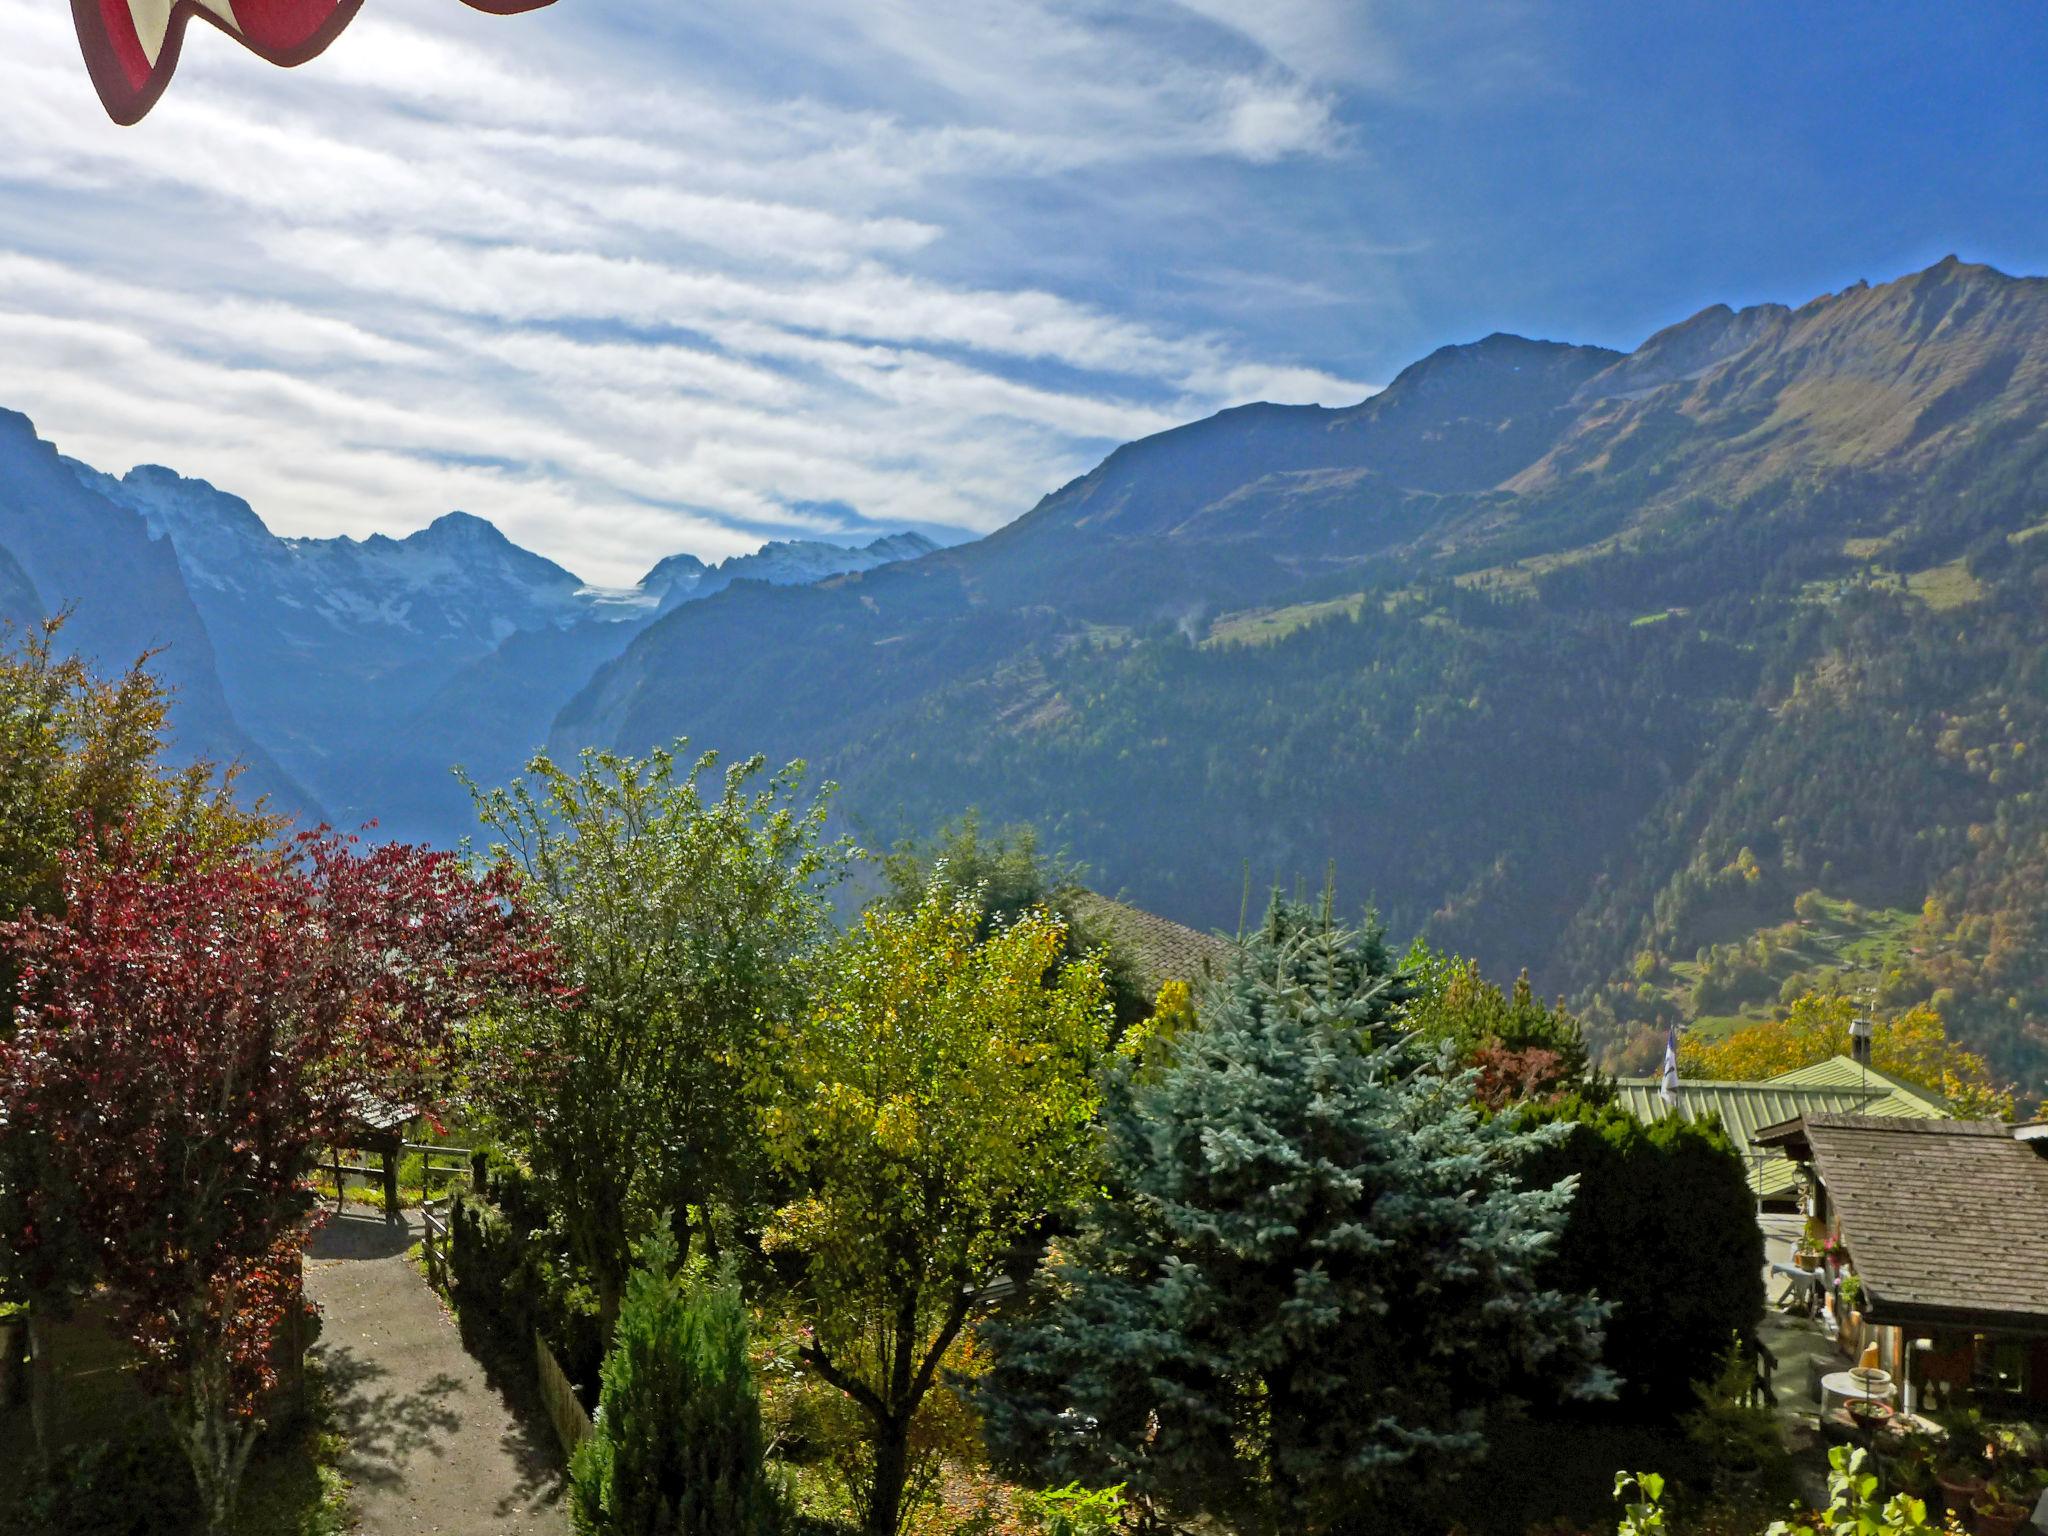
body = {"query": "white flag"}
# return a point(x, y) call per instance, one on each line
point(1671, 1067)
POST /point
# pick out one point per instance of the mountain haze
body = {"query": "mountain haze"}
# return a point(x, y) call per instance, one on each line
point(1589, 661)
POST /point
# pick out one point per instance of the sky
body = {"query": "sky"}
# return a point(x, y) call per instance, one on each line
point(634, 277)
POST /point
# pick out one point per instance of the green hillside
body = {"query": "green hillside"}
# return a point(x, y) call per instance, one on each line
point(1563, 657)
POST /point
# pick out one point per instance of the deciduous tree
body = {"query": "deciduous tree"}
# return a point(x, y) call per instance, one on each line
point(192, 1028)
point(1913, 1045)
point(934, 1105)
point(678, 917)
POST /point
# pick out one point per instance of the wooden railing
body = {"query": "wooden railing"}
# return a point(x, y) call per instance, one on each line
point(435, 1238)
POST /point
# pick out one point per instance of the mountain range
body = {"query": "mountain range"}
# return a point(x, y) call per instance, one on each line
point(348, 675)
point(1586, 661)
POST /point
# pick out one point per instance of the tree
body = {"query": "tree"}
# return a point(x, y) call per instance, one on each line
point(1664, 1227)
point(1315, 1276)
point(679, 919)
point(1524, 1049)
point(1008, 874)
point(679, 1448)
point(83, 753)
point(934, 1107)
point(1913, 1045)
point(192, 1029)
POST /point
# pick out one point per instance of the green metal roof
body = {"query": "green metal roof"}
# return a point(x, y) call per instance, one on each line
point(1834, 1087)
point(1840, 1072)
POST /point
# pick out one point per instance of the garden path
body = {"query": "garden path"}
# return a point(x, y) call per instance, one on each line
point(436, 1447)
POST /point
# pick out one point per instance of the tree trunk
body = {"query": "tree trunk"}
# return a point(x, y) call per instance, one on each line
point(216, 1443)
point(42, 1375)
point(892, 1472)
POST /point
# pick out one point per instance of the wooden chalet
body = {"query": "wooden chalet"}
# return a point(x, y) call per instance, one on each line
point(1946, 1227)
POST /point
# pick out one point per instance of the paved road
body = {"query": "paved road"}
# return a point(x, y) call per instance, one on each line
point(434, 1445)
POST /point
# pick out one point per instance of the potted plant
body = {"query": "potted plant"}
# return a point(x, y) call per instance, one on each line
point(1811, 1242)
point(2001, 1509)
point(1962, 1482)
point(1852, 1294)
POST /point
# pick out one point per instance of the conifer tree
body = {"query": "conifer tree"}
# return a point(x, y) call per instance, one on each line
point(679, 1448)
point(1314, 1276)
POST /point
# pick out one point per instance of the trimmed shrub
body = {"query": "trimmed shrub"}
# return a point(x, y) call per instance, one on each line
point(1664, 1227)
point(510, 1276)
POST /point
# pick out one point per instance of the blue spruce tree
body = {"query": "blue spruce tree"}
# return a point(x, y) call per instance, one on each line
point(1311, 1281)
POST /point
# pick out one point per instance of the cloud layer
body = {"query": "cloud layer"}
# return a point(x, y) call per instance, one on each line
point(642, 278)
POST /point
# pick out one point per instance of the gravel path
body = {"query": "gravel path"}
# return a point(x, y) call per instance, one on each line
point(435, 1445)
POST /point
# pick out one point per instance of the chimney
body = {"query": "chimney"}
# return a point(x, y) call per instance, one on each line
point(1860, 1033)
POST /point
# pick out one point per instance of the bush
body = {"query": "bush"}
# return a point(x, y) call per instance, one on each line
point(134, 1488)
point(1664, 1227)
point(510, 1276)
point(679, 1449)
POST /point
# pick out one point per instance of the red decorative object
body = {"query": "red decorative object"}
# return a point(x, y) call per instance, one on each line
point(131, 46)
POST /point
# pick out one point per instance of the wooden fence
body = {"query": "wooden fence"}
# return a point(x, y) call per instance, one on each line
point(565, 1409)
point(434, 1243)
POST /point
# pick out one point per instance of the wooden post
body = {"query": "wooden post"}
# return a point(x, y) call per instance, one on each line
point(41, 1384)
point(390, 1182)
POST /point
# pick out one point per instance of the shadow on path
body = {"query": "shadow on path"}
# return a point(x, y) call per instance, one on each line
point(437, 1441)
point(385, 1428)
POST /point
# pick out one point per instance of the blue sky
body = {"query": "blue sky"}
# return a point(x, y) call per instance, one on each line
point(631, 276)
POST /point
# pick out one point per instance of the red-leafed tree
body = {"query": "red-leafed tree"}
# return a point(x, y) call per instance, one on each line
point(191, 1029)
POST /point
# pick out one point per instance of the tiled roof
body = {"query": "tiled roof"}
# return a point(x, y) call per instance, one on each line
point(1159, 949)
point(1945, 1219)
point(1745, 1109)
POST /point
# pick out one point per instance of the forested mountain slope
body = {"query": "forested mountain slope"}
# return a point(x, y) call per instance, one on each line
point(1578, 660)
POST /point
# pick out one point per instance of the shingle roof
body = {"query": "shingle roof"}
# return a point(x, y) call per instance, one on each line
point(1945, 1219)
point(1745, 1109)
point(1158, 949)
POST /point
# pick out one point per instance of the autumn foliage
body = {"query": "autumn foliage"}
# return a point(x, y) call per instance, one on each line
point(191, 1029)
point(1913, 1045)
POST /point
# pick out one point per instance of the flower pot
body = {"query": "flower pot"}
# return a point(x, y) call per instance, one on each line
point(2000, 1519)
point(1959, 1492)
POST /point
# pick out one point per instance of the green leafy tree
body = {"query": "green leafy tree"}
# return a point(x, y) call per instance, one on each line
point(1008, 873)
point(81, 752)
point(934, 1105)
point(1317, 1274)
point(1455, 1004)
point(679, 1448)
point(680, 917)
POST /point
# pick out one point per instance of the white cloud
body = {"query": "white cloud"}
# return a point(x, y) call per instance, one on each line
point(634, 282)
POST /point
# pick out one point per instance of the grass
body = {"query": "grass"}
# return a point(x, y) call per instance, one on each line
point(1945, 586)
point(413, 1188)
point(1941, 587)
point(1842, 945)
point(1263, 626)
point(295, 1486)
point(120, 1473)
